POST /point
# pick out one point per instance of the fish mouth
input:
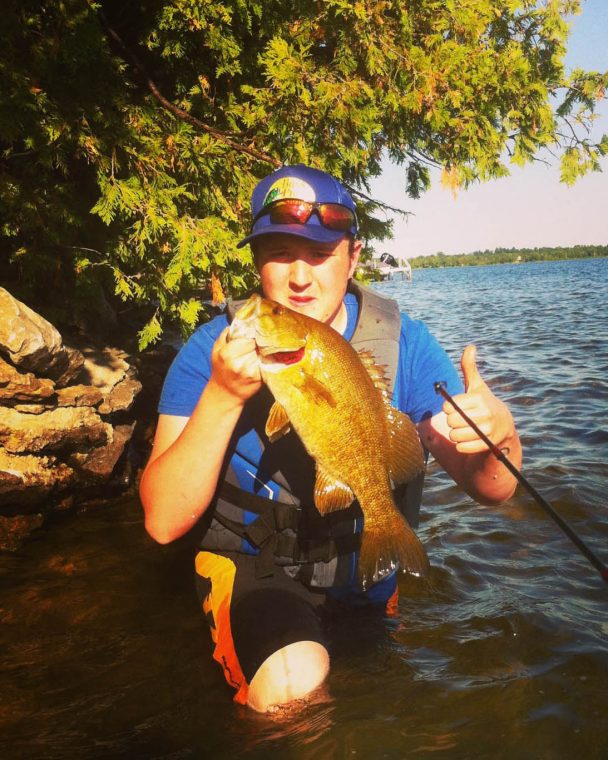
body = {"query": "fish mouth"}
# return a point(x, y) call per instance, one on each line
point(269, 355)
point(243, 324)
point(270, 326)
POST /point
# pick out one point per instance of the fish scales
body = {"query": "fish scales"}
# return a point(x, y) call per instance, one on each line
point(323, 389)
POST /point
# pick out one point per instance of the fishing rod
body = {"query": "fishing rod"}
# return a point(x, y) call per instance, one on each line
point(578, 542)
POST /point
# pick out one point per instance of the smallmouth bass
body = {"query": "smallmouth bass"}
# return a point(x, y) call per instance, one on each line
point(337, 401)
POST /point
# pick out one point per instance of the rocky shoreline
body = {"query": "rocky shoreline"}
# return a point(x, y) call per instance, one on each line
point(75, 419)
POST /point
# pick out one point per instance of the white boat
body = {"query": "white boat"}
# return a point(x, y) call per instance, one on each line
point(390, 268)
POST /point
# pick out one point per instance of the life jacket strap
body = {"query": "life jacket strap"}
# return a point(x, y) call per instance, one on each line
point(284, 515)
point(266, 533)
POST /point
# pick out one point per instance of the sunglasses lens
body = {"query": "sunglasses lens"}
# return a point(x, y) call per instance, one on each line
point(293, 211)
point(336, 217)
point(290, 212)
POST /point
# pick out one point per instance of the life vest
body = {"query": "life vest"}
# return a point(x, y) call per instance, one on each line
point(288, 531)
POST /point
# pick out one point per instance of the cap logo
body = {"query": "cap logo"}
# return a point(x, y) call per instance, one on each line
point(290, 187)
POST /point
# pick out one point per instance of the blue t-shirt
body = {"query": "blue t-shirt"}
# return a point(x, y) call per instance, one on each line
point(422, 362)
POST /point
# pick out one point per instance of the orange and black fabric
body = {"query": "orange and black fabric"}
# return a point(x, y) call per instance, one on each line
point(251, 618)
point(215, 581)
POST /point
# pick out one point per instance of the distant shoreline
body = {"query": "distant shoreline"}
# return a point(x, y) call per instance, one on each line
point(509, 256)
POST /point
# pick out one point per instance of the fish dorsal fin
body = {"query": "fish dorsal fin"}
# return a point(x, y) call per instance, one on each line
point(330, 493)
point(278, 423)
point(406, 458)
point(376, 371)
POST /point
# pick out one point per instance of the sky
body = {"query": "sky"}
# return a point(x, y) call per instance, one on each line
point(528, 209)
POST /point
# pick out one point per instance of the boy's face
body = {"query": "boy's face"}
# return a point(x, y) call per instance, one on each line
point(305, 276)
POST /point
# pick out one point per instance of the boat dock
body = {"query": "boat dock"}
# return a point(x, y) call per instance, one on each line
point(390, 268)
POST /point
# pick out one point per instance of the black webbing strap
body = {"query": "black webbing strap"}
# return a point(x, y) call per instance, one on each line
point(265, 532)
point(285, 515)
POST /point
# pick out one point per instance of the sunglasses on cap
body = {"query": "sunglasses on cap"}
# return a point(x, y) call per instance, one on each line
point(294, 211)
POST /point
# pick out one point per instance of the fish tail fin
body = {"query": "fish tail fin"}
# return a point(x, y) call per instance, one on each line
point(389, 544)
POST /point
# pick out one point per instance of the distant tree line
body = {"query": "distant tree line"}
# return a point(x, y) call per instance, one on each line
point(509, 256)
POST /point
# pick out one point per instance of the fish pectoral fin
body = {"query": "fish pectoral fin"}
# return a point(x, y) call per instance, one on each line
point(278, 423)
point(314, 388)
point(330, 493)
point(406, 457)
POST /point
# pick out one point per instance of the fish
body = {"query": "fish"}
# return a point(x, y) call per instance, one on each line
point(338, 402)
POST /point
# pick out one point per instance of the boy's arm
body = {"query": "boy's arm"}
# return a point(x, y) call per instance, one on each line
point(181, 476)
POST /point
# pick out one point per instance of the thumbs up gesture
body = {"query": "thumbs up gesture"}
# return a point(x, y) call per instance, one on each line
point(490, 414)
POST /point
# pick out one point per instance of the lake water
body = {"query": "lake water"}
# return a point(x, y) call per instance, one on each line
point(502, 653)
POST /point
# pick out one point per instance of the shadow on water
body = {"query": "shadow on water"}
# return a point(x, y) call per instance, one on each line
point(502, 652)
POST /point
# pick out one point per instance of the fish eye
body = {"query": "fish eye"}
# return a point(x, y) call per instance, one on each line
point(277, 310)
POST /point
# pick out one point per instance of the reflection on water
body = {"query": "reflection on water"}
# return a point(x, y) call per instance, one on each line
point(502, 652)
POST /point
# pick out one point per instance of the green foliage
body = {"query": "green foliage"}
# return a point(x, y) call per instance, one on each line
point(132, 135)
point(509, 256)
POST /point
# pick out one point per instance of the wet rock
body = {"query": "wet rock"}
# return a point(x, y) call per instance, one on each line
point(66, 420)
point(79, 395)
point(26, 479)
point(69, 368)
point(50, 431)
point(122, 396)
point(98, 465)
point(31, 408)
point(22, 386)
point(15, 529)
point(29, 341)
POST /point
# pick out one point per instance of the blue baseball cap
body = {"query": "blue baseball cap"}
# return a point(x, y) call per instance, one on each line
point(306, 184)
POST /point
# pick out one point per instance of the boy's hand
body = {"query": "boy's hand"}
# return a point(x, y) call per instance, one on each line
point(490, 414)
point(236, 366)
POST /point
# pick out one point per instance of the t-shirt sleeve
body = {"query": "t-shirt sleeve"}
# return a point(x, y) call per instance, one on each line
point(422, 363)
point(190, 371)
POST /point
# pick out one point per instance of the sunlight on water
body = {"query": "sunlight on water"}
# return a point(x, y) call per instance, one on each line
point(502, 652)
